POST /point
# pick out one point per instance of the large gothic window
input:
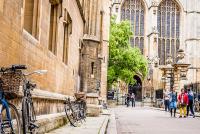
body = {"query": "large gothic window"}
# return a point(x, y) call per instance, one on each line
point(133, 10)
point(168, 28)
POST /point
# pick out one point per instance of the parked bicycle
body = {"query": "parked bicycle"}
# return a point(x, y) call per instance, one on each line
point(75, 111)
point(196, 105)
point(10, 79)
point(28, 112)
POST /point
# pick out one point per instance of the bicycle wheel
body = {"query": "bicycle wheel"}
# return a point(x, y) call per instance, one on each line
point(32, 126)
point(72, 114)
point(13, 126)
point(28, 117)
point(83, 110)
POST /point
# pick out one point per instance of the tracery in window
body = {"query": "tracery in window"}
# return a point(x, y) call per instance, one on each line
point(133, 10)
point(169, 30)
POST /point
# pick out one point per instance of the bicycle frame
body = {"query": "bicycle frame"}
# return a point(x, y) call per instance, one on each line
point(5, 105)
point(28, 99)
point(76, 109)
point(29, 117)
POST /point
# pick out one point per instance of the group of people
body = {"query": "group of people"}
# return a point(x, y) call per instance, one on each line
point(184, 101)
point(130, 98)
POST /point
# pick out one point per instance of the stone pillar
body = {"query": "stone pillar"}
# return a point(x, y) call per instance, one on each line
point(90, 72)
point(152, 49)
point(176, 80)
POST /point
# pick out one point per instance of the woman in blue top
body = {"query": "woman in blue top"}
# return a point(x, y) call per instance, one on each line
point(173, 101)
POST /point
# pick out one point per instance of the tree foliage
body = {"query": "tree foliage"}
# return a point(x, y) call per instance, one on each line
point(124, 60)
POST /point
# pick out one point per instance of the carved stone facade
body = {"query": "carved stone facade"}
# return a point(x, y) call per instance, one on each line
point(94, 52)
point(53, 35)
point(169, 25)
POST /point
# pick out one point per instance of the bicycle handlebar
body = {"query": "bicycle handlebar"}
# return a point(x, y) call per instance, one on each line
point(20, 67)
point(13, 68)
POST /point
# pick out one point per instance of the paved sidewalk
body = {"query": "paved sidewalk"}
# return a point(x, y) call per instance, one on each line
point(112, 126)
point(146, 120)
point(93, 125)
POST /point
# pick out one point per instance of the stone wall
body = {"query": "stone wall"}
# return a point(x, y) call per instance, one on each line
point(17, 46)
point(20, 46)
point(95, 46)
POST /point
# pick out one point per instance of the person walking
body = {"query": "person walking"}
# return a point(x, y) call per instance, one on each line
point(166, 100)
point(173, 102)
point(127, 99)
point(183, 102)
point(190, 102)
point(133, 99)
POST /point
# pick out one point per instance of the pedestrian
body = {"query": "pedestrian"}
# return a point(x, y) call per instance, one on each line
point(133, 99)
point(190, 102)
point(173, 101)
point(183, 102)
point(166, 100)
point(127, 99)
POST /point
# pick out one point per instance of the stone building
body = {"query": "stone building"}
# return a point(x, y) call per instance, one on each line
point(69, 38)
point(161, 28)
point(94, 52)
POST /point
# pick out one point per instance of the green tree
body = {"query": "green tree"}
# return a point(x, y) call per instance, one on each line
point(124, 60)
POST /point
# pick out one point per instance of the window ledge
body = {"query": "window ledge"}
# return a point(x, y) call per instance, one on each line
point(64, 65)
point(29, 37)
point(51, 54)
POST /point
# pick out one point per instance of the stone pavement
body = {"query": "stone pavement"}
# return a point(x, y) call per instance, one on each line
point(112, 129)
point(145, 120)
point(93, 125)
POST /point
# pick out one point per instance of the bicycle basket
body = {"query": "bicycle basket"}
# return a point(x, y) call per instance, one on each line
point(11, 81)
point(80, 95)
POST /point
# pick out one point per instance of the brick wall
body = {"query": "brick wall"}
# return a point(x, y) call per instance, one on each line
point(17, 46)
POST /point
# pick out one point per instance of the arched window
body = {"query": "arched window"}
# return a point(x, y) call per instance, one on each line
point(133, 10)
point(169, 29)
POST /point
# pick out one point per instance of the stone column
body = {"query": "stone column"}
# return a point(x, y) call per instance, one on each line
point(152, 35)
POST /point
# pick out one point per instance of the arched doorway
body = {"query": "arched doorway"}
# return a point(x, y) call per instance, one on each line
point(136, 88)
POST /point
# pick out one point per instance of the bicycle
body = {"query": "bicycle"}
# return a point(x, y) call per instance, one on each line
point(28, 112)
point(9, 85)
point(75, 111)
point(196, 105)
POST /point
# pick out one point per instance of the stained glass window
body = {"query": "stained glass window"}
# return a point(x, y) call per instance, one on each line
point(169, 29)
point(133, 10)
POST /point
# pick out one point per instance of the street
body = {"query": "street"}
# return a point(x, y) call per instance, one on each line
point(145, 120)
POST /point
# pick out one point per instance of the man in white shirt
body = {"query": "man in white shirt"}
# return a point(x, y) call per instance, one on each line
point(166, 99)
point(133, 99)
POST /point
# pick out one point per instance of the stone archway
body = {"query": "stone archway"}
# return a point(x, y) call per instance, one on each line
point(136, 88)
